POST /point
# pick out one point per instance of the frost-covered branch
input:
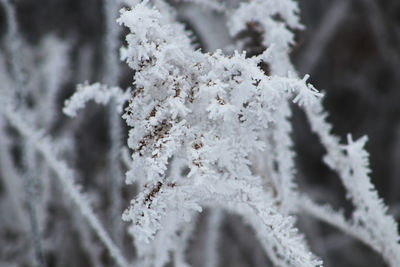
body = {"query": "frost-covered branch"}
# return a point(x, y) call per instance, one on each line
point(28, 171)
point(379, 229)
point(13, 47)
point(101, 94)
point(111, 72)
point(65, 176)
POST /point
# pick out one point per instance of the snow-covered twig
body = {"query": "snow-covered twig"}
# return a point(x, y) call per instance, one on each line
point(65, 176)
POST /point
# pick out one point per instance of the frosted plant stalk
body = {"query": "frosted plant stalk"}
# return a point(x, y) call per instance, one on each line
point(13, 45)
point(65, 176)
point(111, 67)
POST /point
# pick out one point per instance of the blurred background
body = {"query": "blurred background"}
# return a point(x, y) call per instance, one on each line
point(351, 49)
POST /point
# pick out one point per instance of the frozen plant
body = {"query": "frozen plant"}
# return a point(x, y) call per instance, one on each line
point(207, 131)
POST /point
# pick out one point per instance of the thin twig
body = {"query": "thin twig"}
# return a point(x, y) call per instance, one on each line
point(13, 46)
point(114, 120)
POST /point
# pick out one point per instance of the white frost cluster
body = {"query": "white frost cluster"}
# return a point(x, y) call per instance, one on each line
point(207, 113)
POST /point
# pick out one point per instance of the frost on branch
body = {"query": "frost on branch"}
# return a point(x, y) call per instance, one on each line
point(208, 113)
point(101, 94)
point(272, 19)
point(370, 212)
point(370, 220)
